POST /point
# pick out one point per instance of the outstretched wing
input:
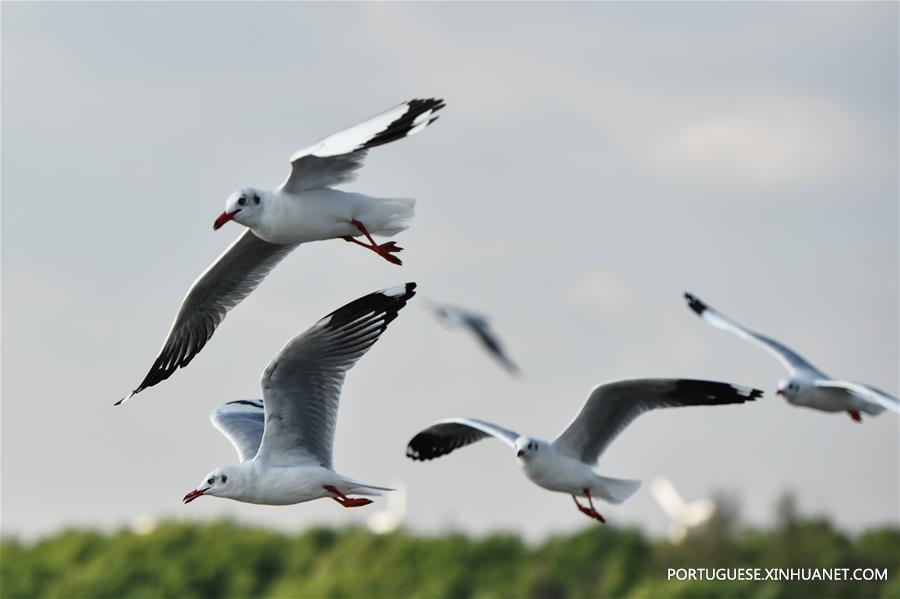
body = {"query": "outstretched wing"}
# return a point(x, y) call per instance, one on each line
point(335, 159)
point(479, 326)
point(788, 357)
point(612, 406)
point(242, 423)
point(491, 342)
point(864, 392)
point(228, 280)
point(302, 384)
point(447, 435)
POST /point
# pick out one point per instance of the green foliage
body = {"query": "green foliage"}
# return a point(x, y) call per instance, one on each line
point(225, 559)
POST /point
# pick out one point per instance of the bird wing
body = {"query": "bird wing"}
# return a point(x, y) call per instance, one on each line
point(227, 281)
point(336, 158)
point(864, 392)
point(491, 342)
point(667, 497)
point(612, 406)
point(242, 423)
point(444, 436)
point(302, 384)
point(788, 357)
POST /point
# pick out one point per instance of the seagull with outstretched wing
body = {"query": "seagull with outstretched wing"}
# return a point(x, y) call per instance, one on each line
point(806, 385)
point(480, 327)
point(683, 515)
point(285, 441)
point(567, 465)
point(305, 208)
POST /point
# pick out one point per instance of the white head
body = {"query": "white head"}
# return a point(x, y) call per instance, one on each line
point(221, 482)
point(790, 389)
point(527, 448)
point(243, 206)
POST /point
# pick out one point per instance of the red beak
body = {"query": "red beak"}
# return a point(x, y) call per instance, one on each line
point(193, 495)
point(224, 218)
point(779, 392)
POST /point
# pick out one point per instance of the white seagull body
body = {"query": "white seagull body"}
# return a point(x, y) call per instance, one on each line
point(478, 325)
point(305, 208)
point(683, 516)
point(806, 385)
point(285, 441)
point(567, 464)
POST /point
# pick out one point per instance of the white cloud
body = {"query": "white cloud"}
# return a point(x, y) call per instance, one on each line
point(768, 141)
point(600, 289)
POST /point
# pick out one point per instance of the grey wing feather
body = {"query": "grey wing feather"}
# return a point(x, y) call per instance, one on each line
point(302, 384)
point(336, 158)
point(448, 435)
point(491, 342)
point(242, 423)
point(613, 406)
point(880, 400)
point(231, 278)
point(788, 357)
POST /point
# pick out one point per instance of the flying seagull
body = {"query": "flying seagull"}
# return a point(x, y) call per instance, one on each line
point(683, 515)
point(479, 326)
point(806, 385)
point(285, 441)
point(391, 517)
point(567, 465)
point(305, 208)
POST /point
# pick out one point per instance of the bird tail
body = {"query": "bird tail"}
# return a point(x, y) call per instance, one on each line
point(615, 490)
point(358, 488)
point(389, 216)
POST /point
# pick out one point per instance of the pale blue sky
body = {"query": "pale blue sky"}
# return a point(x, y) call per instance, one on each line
point(593, 162)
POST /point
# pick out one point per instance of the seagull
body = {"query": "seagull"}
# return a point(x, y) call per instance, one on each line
point(285, 441)
point(806, 385)
point(478, 325)
point(683, 515)
point(305, 208)
point(389, 519)
point(567, 465)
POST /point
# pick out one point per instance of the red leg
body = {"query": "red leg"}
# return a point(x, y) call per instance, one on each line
point(596, 515)
point(581, 508)
point(385, 250)
point(344, 500)
point(855, 415)
point(357, 502)
point(590, 512)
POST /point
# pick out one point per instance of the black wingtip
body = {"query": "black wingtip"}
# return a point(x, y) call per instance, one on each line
point(127, 397)
point(695, 304)
point(407, 122)
point(388, 301)
point(700, 392)
point(426, 446)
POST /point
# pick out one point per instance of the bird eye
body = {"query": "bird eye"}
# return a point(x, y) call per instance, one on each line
point(224, 479)
point(242, 200)
point(256, 199)
point(210, 480)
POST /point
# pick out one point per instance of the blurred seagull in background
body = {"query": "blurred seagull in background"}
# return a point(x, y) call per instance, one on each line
point(305, 208)
point(806, 385)
point(285, 441)
point(478, 325)
point(567, 465)
point(391, 517)
point(683, 516)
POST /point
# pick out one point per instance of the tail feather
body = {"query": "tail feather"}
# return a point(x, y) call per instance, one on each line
point(358, 488)
point(615, 490)
point(391, 215)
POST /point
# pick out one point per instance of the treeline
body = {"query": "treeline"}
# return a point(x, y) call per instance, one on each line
point(225, 559)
